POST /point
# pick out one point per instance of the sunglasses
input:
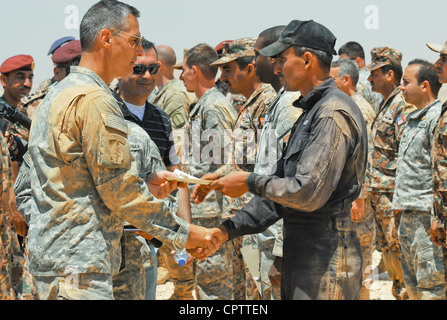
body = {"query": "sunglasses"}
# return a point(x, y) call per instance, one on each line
point(138, 40)
point(140, 69)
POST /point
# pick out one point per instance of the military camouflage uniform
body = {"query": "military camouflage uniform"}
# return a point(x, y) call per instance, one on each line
point(173, 99)
point(385, 135)
point(439, 169)
point(251, 120)
point(211, 114)
point(6, 236)
point(21, 280)
point(421, 260)
point(244, 148)
point(74, 239)
point(130, 282)
point(365, 226)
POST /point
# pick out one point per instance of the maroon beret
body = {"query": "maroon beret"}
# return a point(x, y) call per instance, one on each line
point(67, 52)
point(19, 62)
point(219, 47)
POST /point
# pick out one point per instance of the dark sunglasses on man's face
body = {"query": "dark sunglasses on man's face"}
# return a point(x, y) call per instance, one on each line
point(140, 69)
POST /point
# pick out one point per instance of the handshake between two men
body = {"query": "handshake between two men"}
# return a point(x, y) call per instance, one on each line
point(202, 242)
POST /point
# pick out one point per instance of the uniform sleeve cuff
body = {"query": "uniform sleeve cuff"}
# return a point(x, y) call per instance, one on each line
point(182, 235)
point(251, 183)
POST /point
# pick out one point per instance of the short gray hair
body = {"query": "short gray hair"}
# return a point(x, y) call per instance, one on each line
point(347, 67)
point(105, 14)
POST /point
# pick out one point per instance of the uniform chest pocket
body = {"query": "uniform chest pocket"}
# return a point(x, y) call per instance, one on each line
point(293, 152)
point(114, 150)
point(385, 134)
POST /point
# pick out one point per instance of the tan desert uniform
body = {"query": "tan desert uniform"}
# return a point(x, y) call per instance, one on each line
point(211, 114)
point(85, 183)
point(173, 99)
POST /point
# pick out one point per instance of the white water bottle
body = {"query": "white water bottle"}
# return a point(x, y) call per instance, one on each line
point(181, 257)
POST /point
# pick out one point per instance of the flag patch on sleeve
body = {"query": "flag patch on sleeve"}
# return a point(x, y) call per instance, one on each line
point(401, 119)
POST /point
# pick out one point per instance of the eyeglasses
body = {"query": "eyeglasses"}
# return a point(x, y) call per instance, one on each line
point(136, 43)
point(140, 69)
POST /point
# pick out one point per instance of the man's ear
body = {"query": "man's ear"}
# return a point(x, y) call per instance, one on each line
point(251, 70)
point(358, 60)
point(104, 37)
point(390, 75)
point(308, 59)
point(3, 80)
point(347, 79)
point(425, 86)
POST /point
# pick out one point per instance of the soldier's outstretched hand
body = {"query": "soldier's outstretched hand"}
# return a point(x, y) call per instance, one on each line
point(203, 242)
point(232, 185)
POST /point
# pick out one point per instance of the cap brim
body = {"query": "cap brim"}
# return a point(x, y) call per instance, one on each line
point(274, 49)
point(222, 61)
point(178, 66)
point(374, 66)
point(435, 47)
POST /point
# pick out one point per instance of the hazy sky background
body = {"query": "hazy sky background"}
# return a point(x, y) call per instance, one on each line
point(31, 26)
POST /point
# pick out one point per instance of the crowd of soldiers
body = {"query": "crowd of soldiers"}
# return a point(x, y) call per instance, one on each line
point(326, 161)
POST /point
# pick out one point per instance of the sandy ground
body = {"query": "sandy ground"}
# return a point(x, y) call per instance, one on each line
point(380, 288)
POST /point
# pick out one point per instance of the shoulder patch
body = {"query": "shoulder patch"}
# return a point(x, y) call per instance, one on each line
point(115, 122)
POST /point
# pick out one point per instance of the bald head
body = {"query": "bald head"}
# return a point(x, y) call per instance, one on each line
point(166, 55)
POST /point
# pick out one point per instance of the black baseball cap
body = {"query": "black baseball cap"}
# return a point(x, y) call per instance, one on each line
point(308, 34)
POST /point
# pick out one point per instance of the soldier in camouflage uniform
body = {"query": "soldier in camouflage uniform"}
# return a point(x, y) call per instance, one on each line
point(421, 260)
point(354, 51)
point(211, 113)
point(64, 57)
point(6, 235)
point(345, 73)
point(17, 78)
point(439, 162)
point(91, 185)
point(386, 72)
point(54, 46)
point(239, 74)
point(133, 91)
point(171, 95)
point(130, 283)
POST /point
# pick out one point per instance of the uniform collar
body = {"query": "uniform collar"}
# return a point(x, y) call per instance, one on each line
point(308, 101)
point(91, 74)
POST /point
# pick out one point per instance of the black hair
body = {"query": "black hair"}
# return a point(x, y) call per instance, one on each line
point(243, 62)
point(427, 72)
point(397, 70)
point(352, 49)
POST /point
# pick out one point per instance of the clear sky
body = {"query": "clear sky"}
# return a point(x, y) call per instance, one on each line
point(31, 26)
